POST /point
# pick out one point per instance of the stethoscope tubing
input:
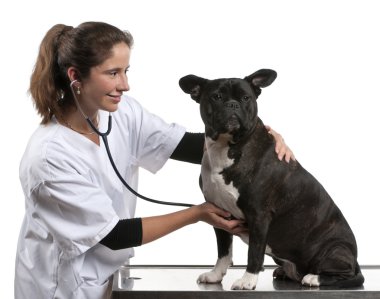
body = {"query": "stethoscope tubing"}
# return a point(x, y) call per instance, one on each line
point(168, 203)
point(104, 135)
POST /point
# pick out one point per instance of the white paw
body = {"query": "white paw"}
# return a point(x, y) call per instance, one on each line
point(210, 277)
point(220, 269)
point(247, 282)
point(311, 280)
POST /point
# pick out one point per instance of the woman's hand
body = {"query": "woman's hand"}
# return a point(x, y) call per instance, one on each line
point(156, 227)
point(218, 218)
point(282, 149)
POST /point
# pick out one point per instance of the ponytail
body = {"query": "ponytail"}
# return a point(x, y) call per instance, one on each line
point(45, 85)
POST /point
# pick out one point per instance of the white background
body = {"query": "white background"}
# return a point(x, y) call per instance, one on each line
point(325, 101)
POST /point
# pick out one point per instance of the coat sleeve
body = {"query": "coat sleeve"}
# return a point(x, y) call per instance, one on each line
point(155, 139)
point(77, 213)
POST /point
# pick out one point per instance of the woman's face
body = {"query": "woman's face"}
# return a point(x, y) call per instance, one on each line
point(106, 82)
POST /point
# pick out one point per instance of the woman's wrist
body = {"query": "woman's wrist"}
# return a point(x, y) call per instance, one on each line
point(195, 214)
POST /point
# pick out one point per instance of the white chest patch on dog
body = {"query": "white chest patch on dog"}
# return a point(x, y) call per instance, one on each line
point(215, 189)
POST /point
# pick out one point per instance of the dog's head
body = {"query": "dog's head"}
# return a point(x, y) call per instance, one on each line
point(228, 105)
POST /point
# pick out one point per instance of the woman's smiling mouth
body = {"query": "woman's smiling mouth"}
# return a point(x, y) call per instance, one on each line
point(115, 98)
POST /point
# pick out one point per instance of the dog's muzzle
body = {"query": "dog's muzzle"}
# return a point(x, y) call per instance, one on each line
point(232, 124)
point(232, 119)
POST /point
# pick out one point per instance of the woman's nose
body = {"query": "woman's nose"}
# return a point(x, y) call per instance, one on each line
point(123, 83)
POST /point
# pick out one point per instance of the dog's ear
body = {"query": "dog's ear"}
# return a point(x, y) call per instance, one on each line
point(261, 78)
point(192, 85)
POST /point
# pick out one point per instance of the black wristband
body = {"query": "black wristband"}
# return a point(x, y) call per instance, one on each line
point(190, 148)
point(126, 233)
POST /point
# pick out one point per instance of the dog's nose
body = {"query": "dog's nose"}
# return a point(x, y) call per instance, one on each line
point(232, 105)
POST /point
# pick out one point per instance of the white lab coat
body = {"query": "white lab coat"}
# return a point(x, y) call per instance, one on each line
point(73, 199)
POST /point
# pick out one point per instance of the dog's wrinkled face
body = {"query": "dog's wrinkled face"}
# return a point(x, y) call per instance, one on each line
point(227, 105)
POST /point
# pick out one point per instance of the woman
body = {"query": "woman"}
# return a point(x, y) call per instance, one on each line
point(79, 225)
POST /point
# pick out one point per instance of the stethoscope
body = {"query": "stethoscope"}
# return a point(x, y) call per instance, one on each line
point(104, 135)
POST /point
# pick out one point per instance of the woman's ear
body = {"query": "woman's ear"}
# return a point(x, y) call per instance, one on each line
point(73, 74)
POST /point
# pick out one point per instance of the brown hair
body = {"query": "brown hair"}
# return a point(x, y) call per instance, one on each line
point(83, 47)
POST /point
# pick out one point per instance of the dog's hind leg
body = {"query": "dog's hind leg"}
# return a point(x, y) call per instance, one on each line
point(355, 280)
point(339, 269)
point(224, 241)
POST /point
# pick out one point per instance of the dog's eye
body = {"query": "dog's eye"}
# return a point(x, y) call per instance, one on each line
point(245, 98)
point(216, 97)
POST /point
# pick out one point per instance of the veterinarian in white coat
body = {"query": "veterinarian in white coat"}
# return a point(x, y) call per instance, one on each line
point(79, 224)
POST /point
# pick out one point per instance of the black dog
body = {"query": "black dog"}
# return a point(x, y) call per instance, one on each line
point(289, 214)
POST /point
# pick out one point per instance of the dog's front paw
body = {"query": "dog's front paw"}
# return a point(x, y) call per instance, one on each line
point(247, 282)
point(311, 280)
point(210, 277)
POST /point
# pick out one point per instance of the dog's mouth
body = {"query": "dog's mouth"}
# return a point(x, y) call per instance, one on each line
point(232, 124)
